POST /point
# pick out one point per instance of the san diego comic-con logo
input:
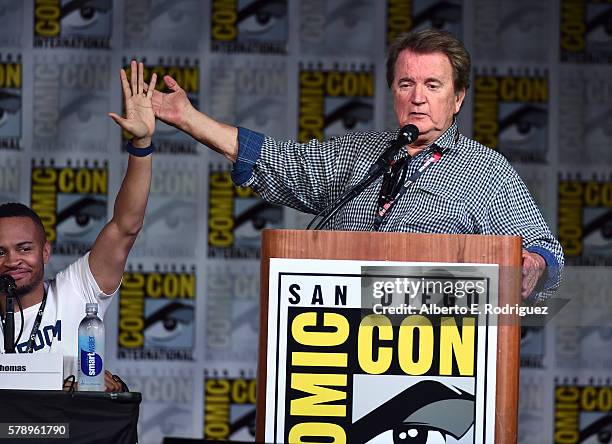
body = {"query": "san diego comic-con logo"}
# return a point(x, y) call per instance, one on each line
point(252, 93)
point(236, 217)
point(229, 405)
point(157, 314)
point(252, 26)
point(408, 15)
point(582, 412)
point(232, 313)
point(337, 27)
point(72, 24)
point(584, 218)
point(11, 101)
point(167, 398)
point(10, 178)
point(171, 220)
point(169, 140)
point(71, 201)
point(68, 92)
point(511, 113)
point(162, 25)
point(334, 101)
point(586, 31)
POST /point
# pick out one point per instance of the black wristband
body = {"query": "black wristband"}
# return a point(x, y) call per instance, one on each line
point(139, 152)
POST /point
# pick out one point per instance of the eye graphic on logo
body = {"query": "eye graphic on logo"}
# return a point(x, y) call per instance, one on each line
point(413, 416)
point(260, 215)
point(599, 28)
point(350, 114)
point(173, 215)
point(598, 232)
point(349, 13)
point(262, 112)
point(522, 124)
point(603, 121)
point(10, 103)
point(261, 15)
point(601, 428)
point(168, 322)
point(442, 15)
point(525, 19)
point(178, 11)
point(168, 420)
point(81, 110)
point(243, 427)
point(83, 14)
point(81, 217)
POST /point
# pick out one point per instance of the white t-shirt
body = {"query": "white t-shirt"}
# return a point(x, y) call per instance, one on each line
point(67, 295)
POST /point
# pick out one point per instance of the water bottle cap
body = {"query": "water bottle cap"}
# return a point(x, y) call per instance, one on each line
point(91, 307)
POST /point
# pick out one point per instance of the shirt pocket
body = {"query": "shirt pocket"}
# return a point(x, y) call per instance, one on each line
point(432, 210)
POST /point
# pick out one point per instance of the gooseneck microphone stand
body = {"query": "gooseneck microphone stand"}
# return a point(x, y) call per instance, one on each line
point(7, 285)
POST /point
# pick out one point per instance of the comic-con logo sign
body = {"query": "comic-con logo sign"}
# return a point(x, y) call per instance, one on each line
point(10, 179)
point(71, 202)
point(72, 23)
point(586, 31)
point(68, 95)
point(584, 219)
point(332, 102)
point(162, 25)
point(157, 314)
point(408, 15)
point(334, 355)
point(10, 102)
point(236, 217)
point(583, 413)
point(252, 26)
point(169, 140)
point(511, 114)
point(229, 408)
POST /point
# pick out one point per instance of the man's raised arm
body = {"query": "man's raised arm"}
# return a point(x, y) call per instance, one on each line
point(112, 246)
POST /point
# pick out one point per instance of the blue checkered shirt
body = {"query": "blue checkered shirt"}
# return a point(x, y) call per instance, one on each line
point(471, 190)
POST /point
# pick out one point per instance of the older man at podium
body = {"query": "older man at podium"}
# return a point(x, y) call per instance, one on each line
point(440, 182)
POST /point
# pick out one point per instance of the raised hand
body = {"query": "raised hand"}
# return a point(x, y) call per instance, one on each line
point(173, 107)
point(139, 117)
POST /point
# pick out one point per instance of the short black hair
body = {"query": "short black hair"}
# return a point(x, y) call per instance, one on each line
point(15, 209)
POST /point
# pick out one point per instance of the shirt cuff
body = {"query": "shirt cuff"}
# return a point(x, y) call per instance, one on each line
point(249, 150)
point(552, 268)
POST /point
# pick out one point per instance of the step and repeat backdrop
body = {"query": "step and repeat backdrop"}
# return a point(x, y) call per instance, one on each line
point(184, 328)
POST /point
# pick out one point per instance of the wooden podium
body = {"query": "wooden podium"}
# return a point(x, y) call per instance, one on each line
point(505, 251)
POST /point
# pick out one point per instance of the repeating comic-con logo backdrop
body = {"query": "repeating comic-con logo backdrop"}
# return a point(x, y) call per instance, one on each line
point(157, 314)
point(540, 95)
point(334, 100)
point(72, 24)
point(11, 102)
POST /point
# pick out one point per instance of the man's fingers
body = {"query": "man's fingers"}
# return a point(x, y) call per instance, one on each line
point(171, 83)
point(134, 76)
point(140, 77)
point(151, 86)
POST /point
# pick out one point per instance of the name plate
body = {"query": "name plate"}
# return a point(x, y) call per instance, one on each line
point(31, 371)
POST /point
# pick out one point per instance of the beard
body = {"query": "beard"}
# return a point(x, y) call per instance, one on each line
point(27, 288)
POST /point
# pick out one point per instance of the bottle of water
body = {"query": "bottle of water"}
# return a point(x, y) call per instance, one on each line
point(91, 351)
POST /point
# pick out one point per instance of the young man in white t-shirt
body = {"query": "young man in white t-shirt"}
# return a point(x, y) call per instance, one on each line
point(95, 277)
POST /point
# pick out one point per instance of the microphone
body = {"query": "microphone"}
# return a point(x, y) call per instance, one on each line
point(407, 134)
point(7, 284)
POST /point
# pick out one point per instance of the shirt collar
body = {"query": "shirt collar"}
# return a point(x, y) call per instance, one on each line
point(447, 141)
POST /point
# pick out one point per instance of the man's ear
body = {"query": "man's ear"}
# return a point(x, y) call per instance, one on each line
point(459, 100)
point(46, 252)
